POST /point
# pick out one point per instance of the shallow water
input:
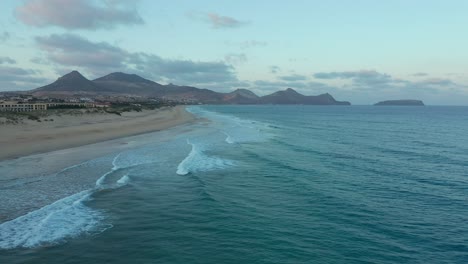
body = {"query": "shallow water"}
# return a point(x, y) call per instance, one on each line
point(269, 184)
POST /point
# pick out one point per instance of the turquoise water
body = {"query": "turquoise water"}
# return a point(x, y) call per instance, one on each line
point(270, 184)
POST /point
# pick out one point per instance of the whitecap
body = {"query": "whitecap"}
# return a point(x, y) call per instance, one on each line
point(197, 161)
point(50, 224)
point(124, 180)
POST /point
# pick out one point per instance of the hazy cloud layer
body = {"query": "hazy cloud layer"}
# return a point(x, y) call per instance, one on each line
point(363, 74)
point(293, 78)
point(420, 74)
point(78, 14)
point(99, 58)
point(7, 60)
point(437, 82)
point(376, 80)
point(372, 86)
point(4, 36)
point(73, 50)
point(15, 78)
point(186, 72)
point(361, 79)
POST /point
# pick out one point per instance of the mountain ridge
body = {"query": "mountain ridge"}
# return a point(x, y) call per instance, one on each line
point(119, 83)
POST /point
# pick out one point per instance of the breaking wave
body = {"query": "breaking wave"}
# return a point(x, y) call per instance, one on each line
point(197, 161)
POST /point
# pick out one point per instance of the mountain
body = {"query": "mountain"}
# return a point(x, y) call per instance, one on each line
point(123, 77)
point(401, 103)
point(241, 96)
point(70, 82)
point(132, 84)
point(119, 83)
point(173, 91)
point(290, 96)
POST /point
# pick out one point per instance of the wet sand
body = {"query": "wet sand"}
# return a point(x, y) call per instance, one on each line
point(36, 177)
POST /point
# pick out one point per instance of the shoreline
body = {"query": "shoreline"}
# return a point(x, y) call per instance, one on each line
point(67, 132)
point(33, 181)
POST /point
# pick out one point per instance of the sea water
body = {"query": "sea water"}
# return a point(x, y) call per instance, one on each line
point(267, 184)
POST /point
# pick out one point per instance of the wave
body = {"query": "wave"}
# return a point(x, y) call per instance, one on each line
point(65, 218)
point(53, 223)
point(229, 139)
point(237, 130)
point(124, 180)
point(197, 161)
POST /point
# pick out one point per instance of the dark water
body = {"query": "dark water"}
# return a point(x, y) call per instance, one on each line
point(271, 184)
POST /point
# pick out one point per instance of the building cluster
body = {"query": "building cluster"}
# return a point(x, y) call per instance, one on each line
point(28, 103)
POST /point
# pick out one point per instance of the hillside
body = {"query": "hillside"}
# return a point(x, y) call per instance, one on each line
point(72, 82)
point(241, 96)
point(290, 96)
point(123, 84)
point(132, 84)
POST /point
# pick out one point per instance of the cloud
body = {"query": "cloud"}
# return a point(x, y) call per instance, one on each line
point(276, 85)
point(99, 58)
point(274, 69)
point(73, 50)
point(369, 86)
point(5, 36)
point(219, 21)
point(185, 72)
point(360, 79)
point(373, 80)
point(420, 74)
point(7, 60)
point(227, 87)
point(78, 14)
point(6, 72)
point(235, 58)
point(14, 78)
point(293, 78)
point(437, 82)
point(363, 74)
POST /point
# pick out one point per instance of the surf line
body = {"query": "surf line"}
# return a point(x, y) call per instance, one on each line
point(64, 218)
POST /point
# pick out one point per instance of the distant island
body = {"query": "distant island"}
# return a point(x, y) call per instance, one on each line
point(401, 103)
point(120, 86)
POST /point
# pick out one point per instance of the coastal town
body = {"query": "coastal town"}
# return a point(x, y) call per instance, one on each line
point(21, 102)
point(23, 108)
point(29, 103)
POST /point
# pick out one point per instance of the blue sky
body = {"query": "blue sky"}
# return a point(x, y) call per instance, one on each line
point(362, 51)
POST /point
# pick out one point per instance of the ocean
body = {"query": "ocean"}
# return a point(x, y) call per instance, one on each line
point(263, 184)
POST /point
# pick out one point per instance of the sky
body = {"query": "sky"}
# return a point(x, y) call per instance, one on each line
point(362, 51)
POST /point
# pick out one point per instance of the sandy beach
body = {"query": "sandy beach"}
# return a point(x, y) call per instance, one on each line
point(71, 131)
point(35, 155)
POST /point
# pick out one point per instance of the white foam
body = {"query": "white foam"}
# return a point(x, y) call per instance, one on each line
point(240, 130)
point(124, 180)
point(67, 217)
point(229, 139)
point(53, 223)
point(100, 181)
point(197, 160)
